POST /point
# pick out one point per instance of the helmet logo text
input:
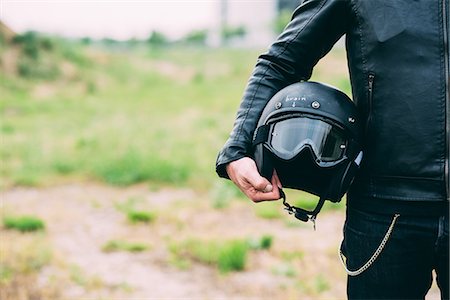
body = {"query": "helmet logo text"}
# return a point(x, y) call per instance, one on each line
point(292, 98)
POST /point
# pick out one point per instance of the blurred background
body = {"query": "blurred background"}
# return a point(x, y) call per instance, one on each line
point(112, 114)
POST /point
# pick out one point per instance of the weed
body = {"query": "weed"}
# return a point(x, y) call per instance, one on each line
point(134, 214)
point(140, 216)
point(23, 223)
point(226, 256)
point(22, 258)
point(232, 256)
point(119, 245)
point(263, 243)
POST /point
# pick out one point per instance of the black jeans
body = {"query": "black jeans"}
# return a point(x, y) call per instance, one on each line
point(403, 270)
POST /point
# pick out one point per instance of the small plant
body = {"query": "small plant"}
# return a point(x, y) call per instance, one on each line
point(225, 255)
point(24, 223)
point(140, 216)
point(118, 245)
point(232, 256)
point(266, 241)
point(135, 215)
point(263, 243)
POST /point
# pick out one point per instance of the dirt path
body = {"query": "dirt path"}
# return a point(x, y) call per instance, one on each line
point(81, 218)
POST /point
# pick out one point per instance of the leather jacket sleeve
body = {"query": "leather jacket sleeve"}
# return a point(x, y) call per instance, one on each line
point(315, 27)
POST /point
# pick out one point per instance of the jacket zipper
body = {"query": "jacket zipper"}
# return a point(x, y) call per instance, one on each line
point(447, 113)
point(371, 79)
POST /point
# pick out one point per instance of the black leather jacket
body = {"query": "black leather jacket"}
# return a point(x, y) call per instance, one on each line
point(398, 57)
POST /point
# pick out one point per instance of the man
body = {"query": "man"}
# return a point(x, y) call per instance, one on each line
point(398, 57)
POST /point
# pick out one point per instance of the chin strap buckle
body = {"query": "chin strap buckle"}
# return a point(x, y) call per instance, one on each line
point(302, 214)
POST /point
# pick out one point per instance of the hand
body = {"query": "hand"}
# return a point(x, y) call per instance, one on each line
point(245, 175)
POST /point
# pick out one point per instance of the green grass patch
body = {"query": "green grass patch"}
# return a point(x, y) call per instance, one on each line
point(122, 117)
point(23, 258)
point(134, 167)
point(23, 223)
point(226, 256)
point(135, 214)
point(262, 243)
point(141, 216)
point(120, 245)
point(232, 256)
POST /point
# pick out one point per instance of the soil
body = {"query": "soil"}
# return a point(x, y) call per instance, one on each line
point(81, 218)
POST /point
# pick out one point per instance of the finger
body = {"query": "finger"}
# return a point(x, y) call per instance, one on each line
point(276, 187)
point(258, 196)
point(277, 179)
point(258, 182)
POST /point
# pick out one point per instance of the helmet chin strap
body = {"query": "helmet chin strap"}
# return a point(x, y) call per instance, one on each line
point(303, 214)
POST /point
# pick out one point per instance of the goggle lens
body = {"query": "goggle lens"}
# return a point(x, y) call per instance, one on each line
point(290, 136)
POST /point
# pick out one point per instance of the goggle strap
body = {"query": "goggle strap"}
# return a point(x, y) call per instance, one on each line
point(300, 213)
point(261, 134)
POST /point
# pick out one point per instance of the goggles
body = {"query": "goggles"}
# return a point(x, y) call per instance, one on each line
point(288, 137)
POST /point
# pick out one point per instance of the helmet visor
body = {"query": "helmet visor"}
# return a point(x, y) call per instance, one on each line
point(289, 137)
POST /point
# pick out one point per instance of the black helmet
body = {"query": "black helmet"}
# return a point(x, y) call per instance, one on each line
point(310, 134)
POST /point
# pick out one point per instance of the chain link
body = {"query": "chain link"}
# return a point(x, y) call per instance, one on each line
point(375, 254)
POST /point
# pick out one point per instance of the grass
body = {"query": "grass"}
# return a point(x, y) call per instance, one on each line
point(23, 223)
point(262, 243)
point(22, 259)
point(125, 117)
point(120, 245)
point(160, 123)
point(133, 211)
point(226, 256)
point(140, 216)
point(232, 256)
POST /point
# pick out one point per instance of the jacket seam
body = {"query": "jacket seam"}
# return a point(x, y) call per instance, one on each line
point(387, 197)
point(442, 56)
point(361, 39)
point(288, 43)
point(405, 177)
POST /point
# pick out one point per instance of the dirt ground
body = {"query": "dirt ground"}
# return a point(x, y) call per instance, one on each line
point(81, 218)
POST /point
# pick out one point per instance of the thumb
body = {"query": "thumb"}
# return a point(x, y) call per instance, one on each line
point(258, 182)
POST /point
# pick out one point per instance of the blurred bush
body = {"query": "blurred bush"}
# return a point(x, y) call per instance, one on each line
point(23, 223)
